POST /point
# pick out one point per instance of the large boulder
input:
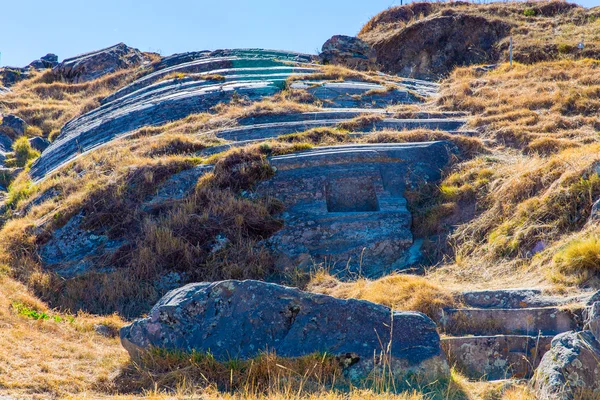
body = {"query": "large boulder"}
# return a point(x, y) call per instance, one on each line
point(349, 51)
point(570, 369)
point(13, 125)
point(48, 61)
point(432, 47)
point(240, 319)
point(90, 66)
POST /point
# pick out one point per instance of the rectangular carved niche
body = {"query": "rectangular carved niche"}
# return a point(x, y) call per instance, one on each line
point(355, 194)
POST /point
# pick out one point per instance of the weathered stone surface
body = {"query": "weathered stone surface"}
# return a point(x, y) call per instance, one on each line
point(73, 248)
point(570, 368)
point(13, 125)
point(345, 204)
point(269, 130)
point(90, 66)
point(349, 51)
point(350, 94)
point(592, 319)
point(496, 357)
point(514, 298)
point(239, 319)
point(432, 47)
point(39, 143)
point(5, 143)
point(520, 321)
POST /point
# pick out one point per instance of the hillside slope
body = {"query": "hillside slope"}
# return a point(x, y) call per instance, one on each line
point(473, 201)
point(428, 40)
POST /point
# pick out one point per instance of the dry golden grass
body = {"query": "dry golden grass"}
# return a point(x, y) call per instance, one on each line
point(541, 108)
point(46, 104)
point(399, 292)
point(51, 358)
point(535, 191)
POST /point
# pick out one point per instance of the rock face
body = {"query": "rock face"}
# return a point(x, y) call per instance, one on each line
point(13, 125)
point(239, 319)
point(345, 205)
point(247, 73)
point(570, 368)
point(350, 51)
point(432, 47)
point(90, 66)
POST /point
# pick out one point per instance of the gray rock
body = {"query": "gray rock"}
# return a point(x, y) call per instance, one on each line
point(39, 143)
point(71, 249)
point(102, 330)
point(13, 124)
point(595, 212)
point(11, 75)
point(570, 368)
point(515, 298)
point(240, 319)
point(177, 186)
point(593, 298)
point(50, 58)
point(496, 357)
point(46, 62)
point(592, 320)
point(349, 51)
point(5, 143)
point(90, 66)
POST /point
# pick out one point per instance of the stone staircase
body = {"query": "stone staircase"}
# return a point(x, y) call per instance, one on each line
point(503, 334)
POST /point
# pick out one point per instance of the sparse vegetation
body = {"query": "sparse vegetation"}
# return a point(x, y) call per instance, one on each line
point(512, 210)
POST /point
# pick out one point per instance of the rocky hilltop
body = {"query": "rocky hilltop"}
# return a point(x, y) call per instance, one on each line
point(187, 225)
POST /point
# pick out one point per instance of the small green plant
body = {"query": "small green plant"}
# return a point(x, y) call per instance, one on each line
point(529, 12)
point(26, 311)
point(23, 153)
point(29, 312)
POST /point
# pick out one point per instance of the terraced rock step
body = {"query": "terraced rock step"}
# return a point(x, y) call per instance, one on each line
point(516, 298)
point(357, 94)
point(265, 131)
point(521, 321)
point(345, 114)
point(506, 332)
point(496, 357)
point(346, 203)
point(252, 74)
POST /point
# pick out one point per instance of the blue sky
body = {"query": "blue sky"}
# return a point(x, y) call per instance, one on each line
point(29, 29)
